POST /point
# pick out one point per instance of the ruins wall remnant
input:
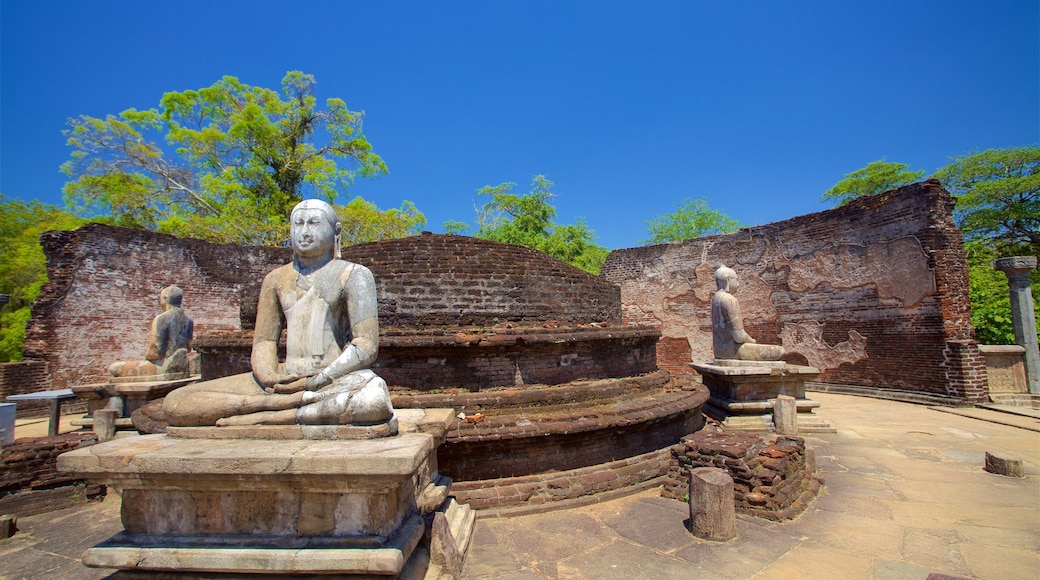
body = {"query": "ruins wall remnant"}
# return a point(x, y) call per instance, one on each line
point(873, 293)
point(103, 291)
point(105, 282)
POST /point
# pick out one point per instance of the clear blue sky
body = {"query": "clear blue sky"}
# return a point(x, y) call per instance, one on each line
point(757, 107)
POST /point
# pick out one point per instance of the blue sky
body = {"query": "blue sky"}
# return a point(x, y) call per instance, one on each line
point(757, 107)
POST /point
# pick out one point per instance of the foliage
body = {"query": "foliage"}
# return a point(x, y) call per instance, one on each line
point(693, 219)
point(243, 156)
point(363, 222)
point(998, 195)
point(527, 220)
point(455, 227)
point(23, 269)
point(877, 177)
point(988, 290)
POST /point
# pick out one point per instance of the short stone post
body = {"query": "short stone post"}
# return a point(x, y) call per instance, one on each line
point(712, 513)
point(785, 415)
point(105, 424)
point(1017, 268)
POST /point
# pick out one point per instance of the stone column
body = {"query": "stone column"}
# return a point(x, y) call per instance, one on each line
point(1017, 270)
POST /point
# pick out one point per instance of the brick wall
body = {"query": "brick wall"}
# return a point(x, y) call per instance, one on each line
point(103, 292)
point(437, 280)
point(30, 482)
point(25, 377)
point(873, 293)
point(105, 281)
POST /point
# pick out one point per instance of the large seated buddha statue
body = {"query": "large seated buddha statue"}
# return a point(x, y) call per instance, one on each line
point(332, 338)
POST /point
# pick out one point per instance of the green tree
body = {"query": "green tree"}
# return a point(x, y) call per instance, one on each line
point(877, 177)
point(693, 219)
point(23, 269)
point(998, 196)
point(363, 222)
point(528, 220)
point(455, 227)
point(242, 157)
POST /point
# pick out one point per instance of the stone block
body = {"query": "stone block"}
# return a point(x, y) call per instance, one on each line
point(8, 526)
point(105, 424)
point(1007, 466)
point(785, 415)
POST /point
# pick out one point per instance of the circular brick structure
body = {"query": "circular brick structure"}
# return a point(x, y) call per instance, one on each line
point(560, 400)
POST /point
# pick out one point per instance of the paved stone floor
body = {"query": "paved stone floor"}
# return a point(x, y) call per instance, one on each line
point(905, 496)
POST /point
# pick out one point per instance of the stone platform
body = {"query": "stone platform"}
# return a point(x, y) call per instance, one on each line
point(742, 394)
point(319, 505)
point(125, 395)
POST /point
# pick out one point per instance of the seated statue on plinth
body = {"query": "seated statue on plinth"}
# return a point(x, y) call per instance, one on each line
point(168, 344)
point(332, 339)
point(729, 340)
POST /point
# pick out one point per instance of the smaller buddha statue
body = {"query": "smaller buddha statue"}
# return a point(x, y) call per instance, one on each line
point(168, 344)
point(729, 340)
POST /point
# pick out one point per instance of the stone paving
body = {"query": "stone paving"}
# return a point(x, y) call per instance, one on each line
point(905, 497)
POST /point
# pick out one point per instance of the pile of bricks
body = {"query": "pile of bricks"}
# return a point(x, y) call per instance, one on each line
point(771, 479)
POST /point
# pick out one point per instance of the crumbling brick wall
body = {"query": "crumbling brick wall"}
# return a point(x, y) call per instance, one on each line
point(771, 479)
point(103, 292)
point(873, 293)
point(105, 282)
point(30, 482)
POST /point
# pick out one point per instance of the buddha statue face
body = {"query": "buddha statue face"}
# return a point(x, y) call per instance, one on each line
point(314, 230)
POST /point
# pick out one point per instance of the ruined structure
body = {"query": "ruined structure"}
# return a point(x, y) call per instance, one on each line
point(873, 293)
point(560, 399)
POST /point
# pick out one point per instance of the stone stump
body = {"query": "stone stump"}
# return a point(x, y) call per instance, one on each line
point(785, 415)
point(712, 513)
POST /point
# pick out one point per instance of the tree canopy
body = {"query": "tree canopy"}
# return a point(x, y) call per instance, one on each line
point(998, 195)
point(528, 220)
point(877, 177)
point(23, 271)
point(363, 222)
point(242, 156)
point(693, 219)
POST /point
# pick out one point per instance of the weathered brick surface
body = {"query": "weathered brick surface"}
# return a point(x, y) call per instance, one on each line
point(770, 478)
point(29, 476)
point(873, 293)
point(546, 488)
point(105, 281)
point(103, 292)
point(537, 429)
point(25, 377)
point(478, 358)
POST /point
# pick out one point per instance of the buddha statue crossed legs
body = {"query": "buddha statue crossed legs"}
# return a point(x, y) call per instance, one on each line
point(729, 340)
point(332, 338)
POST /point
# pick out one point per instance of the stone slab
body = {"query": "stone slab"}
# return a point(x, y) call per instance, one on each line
point(120, 460)
point(295, 432)
point(388, 558)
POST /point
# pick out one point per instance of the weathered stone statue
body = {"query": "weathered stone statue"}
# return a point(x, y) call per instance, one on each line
point(332, 338)
point(168, 345)
point(729, 340)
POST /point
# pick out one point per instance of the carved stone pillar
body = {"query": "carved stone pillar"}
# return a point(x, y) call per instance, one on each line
point(1017, 270)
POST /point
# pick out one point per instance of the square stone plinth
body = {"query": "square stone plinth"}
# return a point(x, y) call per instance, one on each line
point(742, 395)
point(265, 505)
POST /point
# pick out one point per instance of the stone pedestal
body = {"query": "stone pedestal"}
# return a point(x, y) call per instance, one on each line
point(326, 503)
point(125, 395)
point(743, 394)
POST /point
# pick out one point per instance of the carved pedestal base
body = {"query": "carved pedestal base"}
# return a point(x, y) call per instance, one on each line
point(280, 506)
point(742, 395)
